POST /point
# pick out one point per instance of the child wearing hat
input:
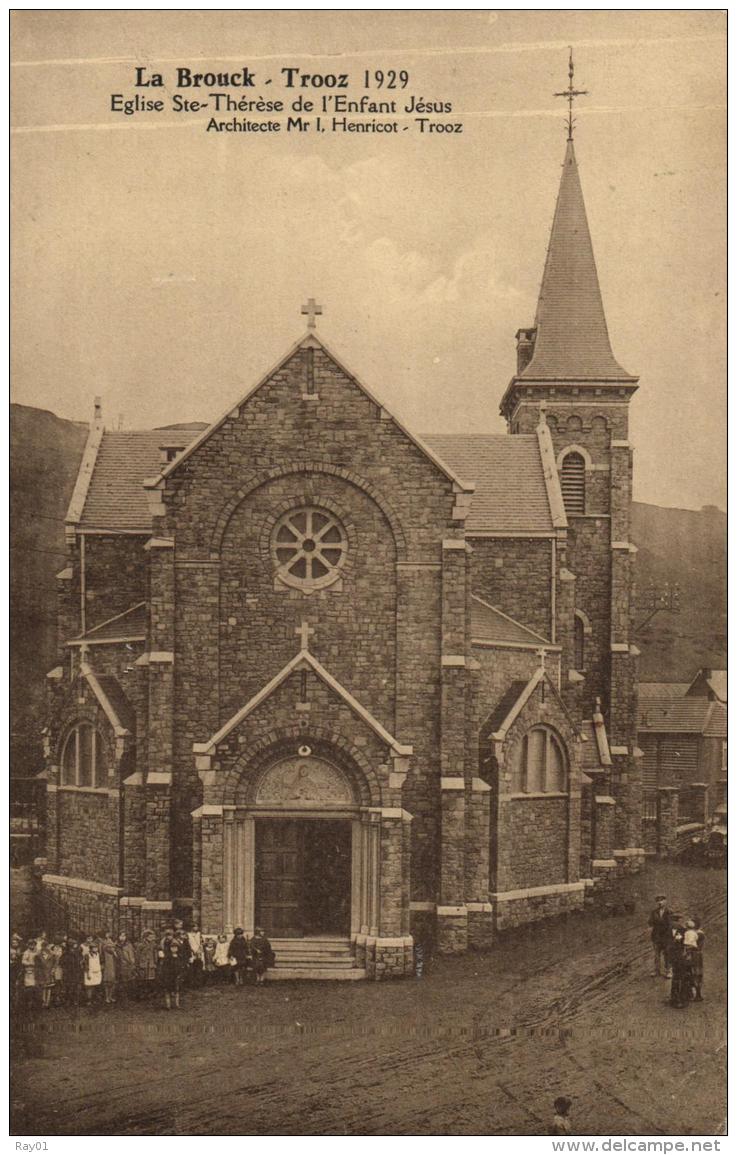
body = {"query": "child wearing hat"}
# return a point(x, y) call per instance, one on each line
point(239, 951)
point(561, 1123)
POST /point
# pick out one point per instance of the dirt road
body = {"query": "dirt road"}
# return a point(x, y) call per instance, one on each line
point(481, 1044)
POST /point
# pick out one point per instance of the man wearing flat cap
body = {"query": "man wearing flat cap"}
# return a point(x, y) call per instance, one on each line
point(660, 923)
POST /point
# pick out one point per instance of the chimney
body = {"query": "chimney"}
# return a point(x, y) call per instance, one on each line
point(98, 410)
point(525, 348)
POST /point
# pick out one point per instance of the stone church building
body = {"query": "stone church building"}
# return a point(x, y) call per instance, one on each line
point(324, 676)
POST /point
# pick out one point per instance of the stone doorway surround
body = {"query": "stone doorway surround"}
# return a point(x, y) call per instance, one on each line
point(304, 786)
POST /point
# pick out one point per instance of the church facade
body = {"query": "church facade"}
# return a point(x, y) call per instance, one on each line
point(323, 676)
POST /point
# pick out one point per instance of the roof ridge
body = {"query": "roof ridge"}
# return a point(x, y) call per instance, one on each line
point(310, 340)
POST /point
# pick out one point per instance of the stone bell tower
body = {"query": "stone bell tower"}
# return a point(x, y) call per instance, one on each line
point(568, 376)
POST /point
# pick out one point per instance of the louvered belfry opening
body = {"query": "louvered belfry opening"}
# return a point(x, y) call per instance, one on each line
point(573, 483)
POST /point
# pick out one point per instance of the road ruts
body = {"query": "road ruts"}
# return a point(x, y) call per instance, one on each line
point(524, 1033)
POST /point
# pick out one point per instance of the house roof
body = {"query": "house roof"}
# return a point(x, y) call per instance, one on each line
point(131, 624)
point(572, 340)
point(511, 494)
point(115, 498)
point(488, 624)
point(662, 691)
point(714, 680)
point(684, 716)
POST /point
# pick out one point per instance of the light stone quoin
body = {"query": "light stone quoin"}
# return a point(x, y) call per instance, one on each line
point(353, 684)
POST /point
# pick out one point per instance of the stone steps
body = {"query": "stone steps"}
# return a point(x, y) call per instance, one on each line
point(314, 958)
point(315, 973)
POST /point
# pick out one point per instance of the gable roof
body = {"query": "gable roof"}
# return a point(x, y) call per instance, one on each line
point(572, 340)
point(504, 706)
point(114, 498)
point(112, 699)
point(511, 493)
point(131, 625)
point(714, 680)
point(310, 341)
point(661, 691)
point(302, 660)
point(693, 715)
point(488, 624)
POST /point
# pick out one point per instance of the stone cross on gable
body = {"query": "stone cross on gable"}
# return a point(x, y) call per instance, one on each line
point(311, 310)
point(542, 654)
point(304, 631)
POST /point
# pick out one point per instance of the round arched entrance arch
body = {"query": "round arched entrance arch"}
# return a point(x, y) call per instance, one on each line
point(300, 851)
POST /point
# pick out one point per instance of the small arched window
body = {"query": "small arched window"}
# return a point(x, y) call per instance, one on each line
point(579, 659)
point(84, 758)
point(539, 765)
point(573, 483)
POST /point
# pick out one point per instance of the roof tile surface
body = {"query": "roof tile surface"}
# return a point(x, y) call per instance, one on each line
point(116, 498)
point(511, 496)
point(572, 338)
point(489, 624)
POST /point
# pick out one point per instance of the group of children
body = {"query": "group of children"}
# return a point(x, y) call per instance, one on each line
point(72, 969)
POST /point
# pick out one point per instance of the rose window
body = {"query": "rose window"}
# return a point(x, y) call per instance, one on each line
point(309, 547)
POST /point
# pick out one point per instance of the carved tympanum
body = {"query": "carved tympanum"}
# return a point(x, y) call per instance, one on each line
point(304, 781)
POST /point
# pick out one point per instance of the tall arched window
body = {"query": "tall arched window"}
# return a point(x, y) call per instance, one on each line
point(539, 765)
point(573, 483)
point(84, 758)
point(579, 658)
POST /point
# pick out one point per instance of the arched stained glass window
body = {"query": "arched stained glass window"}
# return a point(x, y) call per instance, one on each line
point(84, 757)
point(539, 764)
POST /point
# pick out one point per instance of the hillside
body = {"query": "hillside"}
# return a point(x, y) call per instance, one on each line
point(689, 548)
point(681, 546)
point(45, 452)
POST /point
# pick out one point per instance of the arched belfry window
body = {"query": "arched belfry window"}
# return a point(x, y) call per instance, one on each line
point(539, 764)
point(84, 759)
point(573, 482)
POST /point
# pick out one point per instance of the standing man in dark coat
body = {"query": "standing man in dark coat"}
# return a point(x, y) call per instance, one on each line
point(661, 924)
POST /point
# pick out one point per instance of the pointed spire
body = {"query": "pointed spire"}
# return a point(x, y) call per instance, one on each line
point(572, 340)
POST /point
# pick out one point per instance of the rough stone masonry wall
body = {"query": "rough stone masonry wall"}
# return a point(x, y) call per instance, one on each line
point(531, 844)
point(83, 823)
point(520, 911)
point(89, 835)
point(115, 575)
point(343, 449)
point(514, 574)
point(589, 558)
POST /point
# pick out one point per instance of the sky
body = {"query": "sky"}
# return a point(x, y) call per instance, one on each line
point(163, 267)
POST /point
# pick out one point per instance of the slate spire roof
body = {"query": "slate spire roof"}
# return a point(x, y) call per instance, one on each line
point(572, 340)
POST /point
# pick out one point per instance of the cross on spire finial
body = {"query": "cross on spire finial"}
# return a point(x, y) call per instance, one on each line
point(311, 310)
point(304, 631)
point(571, 93)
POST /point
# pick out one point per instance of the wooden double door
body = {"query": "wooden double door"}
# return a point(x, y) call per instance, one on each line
point(303, 876)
